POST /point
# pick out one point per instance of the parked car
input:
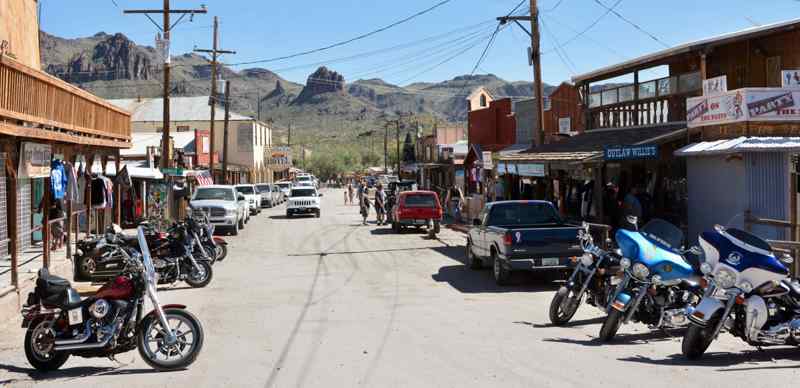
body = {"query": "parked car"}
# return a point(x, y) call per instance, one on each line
point(253, 197)
point(521, 236)
point(304, 200)
point(286, 189)
point(393, 189)
point(268, 197)
point(417, 208)
point(225, 207)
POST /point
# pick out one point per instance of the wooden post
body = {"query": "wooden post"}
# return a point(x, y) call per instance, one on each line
point(88, 199)
point(46, 223)
point(11, 214)
point(118, 191)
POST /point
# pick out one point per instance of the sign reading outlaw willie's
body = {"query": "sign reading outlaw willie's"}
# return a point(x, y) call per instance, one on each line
point(631, 152)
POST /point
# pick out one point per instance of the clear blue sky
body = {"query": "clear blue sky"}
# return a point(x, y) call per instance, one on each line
point(265, 29)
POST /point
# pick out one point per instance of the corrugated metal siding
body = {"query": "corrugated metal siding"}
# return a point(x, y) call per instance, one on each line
point(716, 193)
point(767, 176)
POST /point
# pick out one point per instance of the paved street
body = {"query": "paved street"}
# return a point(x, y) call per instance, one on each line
point(328, 303)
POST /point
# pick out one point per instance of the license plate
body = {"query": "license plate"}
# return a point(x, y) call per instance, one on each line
point(75, 316)
point(549, 261)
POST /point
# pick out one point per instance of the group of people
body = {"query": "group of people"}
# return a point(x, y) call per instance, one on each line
point(361, 191)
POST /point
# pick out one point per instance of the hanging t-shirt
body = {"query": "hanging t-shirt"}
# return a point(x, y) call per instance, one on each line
point(58, 179)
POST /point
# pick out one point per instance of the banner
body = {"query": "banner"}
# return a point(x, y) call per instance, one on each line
point(34, 161)
point(754, 104)
point(790, 79)
point(715, 86)
point(532, 169)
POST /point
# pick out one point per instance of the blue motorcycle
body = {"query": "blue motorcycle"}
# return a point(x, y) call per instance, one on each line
point(748, 293)
point(661, 282)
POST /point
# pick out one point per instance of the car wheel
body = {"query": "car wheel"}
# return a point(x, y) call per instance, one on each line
point(501, 274)
point(473, 261)
point(317, 214)
point(235, 230)
point(288, 215)
point(240, 225)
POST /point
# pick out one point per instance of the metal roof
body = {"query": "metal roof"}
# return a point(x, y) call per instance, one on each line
point(180, 109)
point(741, 144)
point(689, 47)
point(142, 140)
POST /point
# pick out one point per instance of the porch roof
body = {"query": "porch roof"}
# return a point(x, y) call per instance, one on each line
point(741, 144)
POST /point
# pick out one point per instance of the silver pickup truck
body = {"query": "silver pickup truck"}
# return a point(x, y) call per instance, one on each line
point(224, 206)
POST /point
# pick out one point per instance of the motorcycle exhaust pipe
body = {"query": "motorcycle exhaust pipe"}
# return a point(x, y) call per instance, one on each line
point(95, 345)
point(83, 337)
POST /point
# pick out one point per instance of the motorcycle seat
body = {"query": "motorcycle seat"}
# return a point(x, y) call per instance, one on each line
point(693, 260)
point(793, 286)
point(48, 285)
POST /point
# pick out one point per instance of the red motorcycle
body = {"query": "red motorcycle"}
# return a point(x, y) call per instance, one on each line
point(60, 324)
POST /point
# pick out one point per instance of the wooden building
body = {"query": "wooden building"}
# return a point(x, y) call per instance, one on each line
point(43, 119)
point(563, 114)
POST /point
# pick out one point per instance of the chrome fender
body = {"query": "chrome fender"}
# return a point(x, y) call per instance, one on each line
point(705, 310)
point(621, 301)
point(757, 315)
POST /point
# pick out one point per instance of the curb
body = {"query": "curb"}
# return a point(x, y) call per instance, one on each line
point(458, 228)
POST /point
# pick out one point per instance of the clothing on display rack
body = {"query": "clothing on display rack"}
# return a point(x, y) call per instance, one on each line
point(72, 191)
point(58, 179)
point(102, 192)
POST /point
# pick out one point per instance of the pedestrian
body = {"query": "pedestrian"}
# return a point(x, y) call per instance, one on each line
point(350, 192)
point(55, 212)
point(631, 207)
point(380, 204)
point(364, 205)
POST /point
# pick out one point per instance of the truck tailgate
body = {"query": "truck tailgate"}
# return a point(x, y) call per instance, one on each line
point(543, 242)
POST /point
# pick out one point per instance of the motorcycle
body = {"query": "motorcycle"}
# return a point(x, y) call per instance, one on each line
point(749, 294)
point(661, 282)
point(594, 275)
point(209, 244)
point(180, 263)
point(59, 324)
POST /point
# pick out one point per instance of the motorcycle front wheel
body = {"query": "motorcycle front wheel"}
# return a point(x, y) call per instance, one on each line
point(199, 278)
point(222, 251)
point(563, 306)
point(697, 340)
point(163, 356)
point(611, 325)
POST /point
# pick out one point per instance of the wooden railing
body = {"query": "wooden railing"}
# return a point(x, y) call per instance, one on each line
point(32, 97)
point(789, 247)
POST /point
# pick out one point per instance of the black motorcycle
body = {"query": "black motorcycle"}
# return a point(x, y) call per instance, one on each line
point(594, 276)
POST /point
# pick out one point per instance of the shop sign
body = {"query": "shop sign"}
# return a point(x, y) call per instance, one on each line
point(564, 125)
point(34, 161)
point(757, 104)
point(715, 86)
point(487, 160)
point(531, 169)
point(790, 79)
point(172, 171)
point(631, 152)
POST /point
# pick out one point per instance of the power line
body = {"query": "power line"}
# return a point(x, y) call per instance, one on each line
point(636, 26)
point(562, 54)
point(342, 43)
point(553, 8)
point(448, 59)
point(587, 37)
point(589, 27)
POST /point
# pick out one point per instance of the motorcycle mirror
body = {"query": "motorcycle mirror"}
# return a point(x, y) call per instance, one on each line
point(695, 250)
point(117, 229)
point(633, 220)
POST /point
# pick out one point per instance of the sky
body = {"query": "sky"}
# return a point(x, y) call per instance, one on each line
point(439, 45)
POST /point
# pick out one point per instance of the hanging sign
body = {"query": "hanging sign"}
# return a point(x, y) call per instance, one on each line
point(34, 161)
point(790, 79)
point(631, 152)
point(715, 86)
point(487, 160)
point(531, 169)
point(564, 125)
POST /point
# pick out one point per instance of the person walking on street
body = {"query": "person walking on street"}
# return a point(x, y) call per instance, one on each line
point(364, 204)
point(380, 204)
point(350, 192)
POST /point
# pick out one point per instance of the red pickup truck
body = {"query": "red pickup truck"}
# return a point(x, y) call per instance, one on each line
point(417, 209)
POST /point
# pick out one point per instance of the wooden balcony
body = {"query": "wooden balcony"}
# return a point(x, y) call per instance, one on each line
point(658, 101)
point(37, 105)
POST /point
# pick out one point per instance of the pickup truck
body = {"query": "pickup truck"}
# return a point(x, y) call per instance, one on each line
point(521, 236)
point(417, 208)
point(224, 207)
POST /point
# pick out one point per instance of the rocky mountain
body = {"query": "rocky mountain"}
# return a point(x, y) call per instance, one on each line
point(113, 66)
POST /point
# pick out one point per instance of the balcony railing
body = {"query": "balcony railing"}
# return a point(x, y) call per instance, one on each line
point(33, 100)
point(658, 101)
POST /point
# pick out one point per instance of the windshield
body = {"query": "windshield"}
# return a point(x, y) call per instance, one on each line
point(663, 232)
point(303, 193)
point(420, 200)
point(283, 185)
point(214, 193)
point(263, 188)
point(303, 178)
point(523, 213)
point(245, 189)
point(150, 271)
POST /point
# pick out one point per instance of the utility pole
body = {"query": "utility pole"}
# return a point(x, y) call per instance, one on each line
point(535, 61)
point(225, 132)
point(386, 148)
point(215, 51)
point(166, 162)
point(397, 134)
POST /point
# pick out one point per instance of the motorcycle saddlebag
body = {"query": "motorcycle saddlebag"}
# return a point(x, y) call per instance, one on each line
point(48, 285)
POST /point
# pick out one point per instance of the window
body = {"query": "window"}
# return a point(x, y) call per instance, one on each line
point(483, 100)
point(667, 86)
point(419, 200)
point(183, 128)
point(523, 213)
point(213, 193)
point(647, 90)
point(610, 97)
point(594, 100)
point(626, 93)
point(304, 193)
point(245, 189)
point(690, 82)
point(548, 104)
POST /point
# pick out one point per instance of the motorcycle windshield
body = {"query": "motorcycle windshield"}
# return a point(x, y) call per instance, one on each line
point(663, 233)
point(150, 270)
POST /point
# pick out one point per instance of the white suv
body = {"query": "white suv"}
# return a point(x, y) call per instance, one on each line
point(252, 196)
point(303, 200)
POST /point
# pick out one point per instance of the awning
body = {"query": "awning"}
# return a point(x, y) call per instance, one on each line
point(741, 144)
point(136, 169)
point(514, 149)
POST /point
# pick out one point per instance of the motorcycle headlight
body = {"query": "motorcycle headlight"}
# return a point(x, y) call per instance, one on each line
point(746, 287)
point(587, 260)
point(640, 271)
point(706, 268)
point(656, 279)
point(725, 278)
point(625, 263)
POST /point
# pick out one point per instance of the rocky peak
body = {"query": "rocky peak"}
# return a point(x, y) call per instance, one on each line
point(322, 81)
point(113, 57)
